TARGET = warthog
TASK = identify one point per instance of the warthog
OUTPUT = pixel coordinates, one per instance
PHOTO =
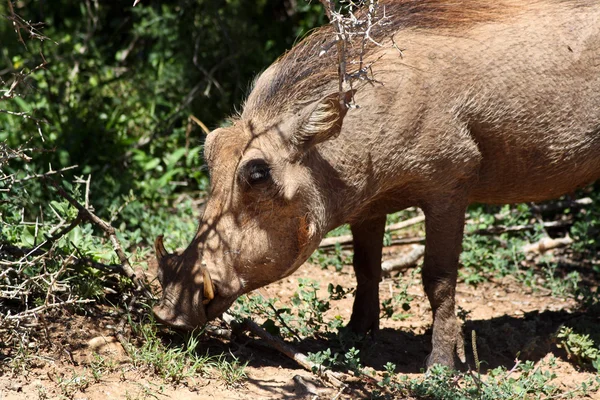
(490, 101)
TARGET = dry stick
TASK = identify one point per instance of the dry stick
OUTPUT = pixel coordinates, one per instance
(404, 262)
(110, 231)
(341, 39)
(200, 124)
(541, 208)
(547, 244)
(559, 205)
(37, 250)
(409, 240)
(347, 239)
(279, 345)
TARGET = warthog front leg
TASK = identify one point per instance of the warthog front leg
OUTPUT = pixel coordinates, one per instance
(444, 224)
(368, 243)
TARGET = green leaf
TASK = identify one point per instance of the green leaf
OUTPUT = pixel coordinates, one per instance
(75, 236)
(174, 157)
(152, 164)
(27, 238)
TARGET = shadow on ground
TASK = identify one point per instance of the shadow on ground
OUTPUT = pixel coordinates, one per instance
(499, 341)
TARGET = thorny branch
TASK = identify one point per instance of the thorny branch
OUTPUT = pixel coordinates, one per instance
(86, 214)
(21, 24)
(348, 26)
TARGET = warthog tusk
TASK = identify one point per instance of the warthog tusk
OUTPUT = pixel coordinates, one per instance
(159, 248)
(209, 290)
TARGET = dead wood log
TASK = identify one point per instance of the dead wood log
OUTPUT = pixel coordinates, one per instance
(404, 262)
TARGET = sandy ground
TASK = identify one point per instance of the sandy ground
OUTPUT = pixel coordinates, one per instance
(508, 318)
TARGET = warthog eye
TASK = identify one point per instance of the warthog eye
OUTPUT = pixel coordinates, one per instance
(256, 172)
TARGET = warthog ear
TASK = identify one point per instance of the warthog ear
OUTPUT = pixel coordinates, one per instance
(320, 121)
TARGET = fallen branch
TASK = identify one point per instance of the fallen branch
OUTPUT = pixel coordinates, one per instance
(332, 241)
(279, 345)
(404, 262)
(346, 239)
(546, 243)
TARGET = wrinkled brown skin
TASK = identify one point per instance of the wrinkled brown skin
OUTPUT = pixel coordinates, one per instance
(502, 111)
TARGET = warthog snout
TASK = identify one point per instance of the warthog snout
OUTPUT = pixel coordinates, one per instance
(184, 303)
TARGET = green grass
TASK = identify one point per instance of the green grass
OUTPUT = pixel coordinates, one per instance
(176, 363)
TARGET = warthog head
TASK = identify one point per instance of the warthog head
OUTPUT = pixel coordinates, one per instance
(266, 212)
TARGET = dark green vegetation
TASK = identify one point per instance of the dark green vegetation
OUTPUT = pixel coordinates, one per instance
(107, 101)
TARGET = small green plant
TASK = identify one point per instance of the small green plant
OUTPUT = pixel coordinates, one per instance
(346, 361)
(338, 292)
(560, 285)
(310, 308)
(232, 371)
(401, 299)
(70, 385)
(586, 228)
(485, 257)
(335, 257)
(580, 348)
(525, 381)
(388, 307)
(390, 369)
(306, 316)
(101, 365)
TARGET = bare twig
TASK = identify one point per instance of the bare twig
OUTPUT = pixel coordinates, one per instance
(560, 205)
(200, 124)
(513, 369)
(119, 331)
(347, 26)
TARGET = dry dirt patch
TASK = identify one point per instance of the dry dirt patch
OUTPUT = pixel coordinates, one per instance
(509, 319)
